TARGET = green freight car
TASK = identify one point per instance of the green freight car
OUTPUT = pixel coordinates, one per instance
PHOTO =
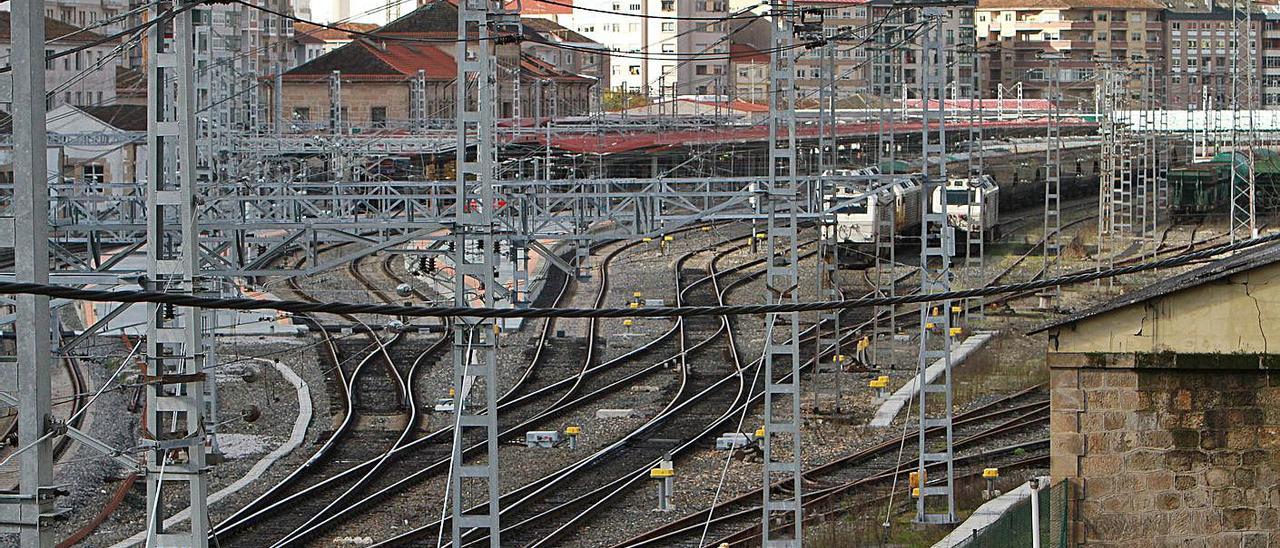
(1200, 189)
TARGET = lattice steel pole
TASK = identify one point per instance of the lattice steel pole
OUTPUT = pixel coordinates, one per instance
(1243, 176)
(935, 277)
(174, 433)
(975, 243)
(828, 331)
(475, 368)
(1052, 248)
(782, 348)
(418, 101)
(25, 511)
(884, 323)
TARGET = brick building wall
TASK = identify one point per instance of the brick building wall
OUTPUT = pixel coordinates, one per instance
(1163, 454)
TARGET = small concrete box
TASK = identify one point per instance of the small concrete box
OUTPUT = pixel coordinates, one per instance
(732, 440)
(545, 439)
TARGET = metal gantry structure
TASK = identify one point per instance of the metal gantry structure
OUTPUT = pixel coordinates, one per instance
(1244, 223)
(475, 359)
(829, 371)
(782, 418)
(936, 249)
(976, 233)
(174, 431)
(197, 235)
(35, 502)
(1053, 180)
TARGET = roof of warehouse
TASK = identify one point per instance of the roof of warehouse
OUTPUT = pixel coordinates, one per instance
(1242, 261)
(315, 33)
(538, 7)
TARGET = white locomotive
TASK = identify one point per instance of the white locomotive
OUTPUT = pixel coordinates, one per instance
(859, 210)
(972, 205)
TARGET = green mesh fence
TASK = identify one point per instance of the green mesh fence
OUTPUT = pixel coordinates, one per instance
(1013, 529)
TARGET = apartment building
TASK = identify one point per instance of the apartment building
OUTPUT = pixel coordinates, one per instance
(84, 75)
(1016, 34)
(844, 21)
(895, 66)
(749, 74)
(652, 41)
(567, 50)
(1202, 47)
(1270, 57)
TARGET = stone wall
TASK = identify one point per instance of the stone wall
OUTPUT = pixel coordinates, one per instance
(1167, 457)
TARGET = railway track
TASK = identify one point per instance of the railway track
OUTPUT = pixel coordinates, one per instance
(582, 490)
(77, 400)
(1009, 415)
(378, 414)
(427, 457)
(666, 349)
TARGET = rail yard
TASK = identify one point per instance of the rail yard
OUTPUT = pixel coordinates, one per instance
(830, 273)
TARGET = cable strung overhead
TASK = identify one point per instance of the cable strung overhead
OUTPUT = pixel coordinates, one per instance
(299, 307)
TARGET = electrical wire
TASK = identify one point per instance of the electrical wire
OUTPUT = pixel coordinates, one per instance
(656, 312)
(638, 15)
(164, 17)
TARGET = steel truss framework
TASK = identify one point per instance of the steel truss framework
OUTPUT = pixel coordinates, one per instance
(474, 230)
(175, 431)
(782, 416)
(27, 511)
(935, 277)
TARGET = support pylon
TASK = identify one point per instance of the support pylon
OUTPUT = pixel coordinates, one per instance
(782, 348)
(935, 277)
(28, 511)
(174, 426)
(475, 366)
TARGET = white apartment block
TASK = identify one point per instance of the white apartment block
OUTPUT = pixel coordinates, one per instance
(653, 55)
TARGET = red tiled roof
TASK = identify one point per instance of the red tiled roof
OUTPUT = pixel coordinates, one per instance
(55, 31)
(315, 32)
(408, 58)
(537, 7)
(742, 53)
(372, 58)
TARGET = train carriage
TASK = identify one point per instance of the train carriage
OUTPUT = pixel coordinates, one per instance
(973, 204)
(858, 219)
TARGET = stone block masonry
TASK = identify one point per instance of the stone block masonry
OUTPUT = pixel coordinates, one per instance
(1165, 456)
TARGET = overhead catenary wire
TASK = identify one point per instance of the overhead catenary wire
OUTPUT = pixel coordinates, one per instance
(12, 288)
(640, 15)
